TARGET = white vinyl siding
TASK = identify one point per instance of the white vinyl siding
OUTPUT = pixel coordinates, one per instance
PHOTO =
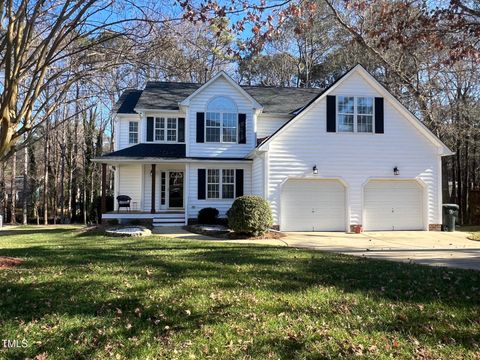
(258, 178)
(267, 124)
(130, 183)
(122, 132)
(355, 159)
(215, 149)
(194, 204)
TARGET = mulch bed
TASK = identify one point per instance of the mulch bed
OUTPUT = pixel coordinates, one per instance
(227, 234)
(9, 262)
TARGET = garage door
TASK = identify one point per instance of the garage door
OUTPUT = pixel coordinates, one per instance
(393, 205)
(313, 205)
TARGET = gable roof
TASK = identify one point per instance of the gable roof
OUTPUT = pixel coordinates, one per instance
(160, 95)
(223, 75)
(380, 88)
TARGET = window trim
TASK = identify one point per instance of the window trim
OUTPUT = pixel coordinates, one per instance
(355, 114)
(165, 129)
(220, 184)
(137, 133)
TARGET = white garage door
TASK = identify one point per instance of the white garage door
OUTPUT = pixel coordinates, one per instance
(393, 205)
(313, 205)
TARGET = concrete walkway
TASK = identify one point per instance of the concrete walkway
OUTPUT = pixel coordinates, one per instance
(422, 247)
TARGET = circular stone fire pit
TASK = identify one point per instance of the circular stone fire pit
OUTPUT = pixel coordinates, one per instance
(130, 231)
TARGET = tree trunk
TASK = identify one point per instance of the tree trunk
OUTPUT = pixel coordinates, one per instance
(62, 180)
(3, 193)
(13, 190)
(26, 192)
(46, 158)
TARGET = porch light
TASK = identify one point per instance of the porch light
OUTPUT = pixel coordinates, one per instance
(315, 170)
(396, 171)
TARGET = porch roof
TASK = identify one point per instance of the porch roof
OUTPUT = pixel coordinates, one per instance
(150, 150)
(154, 153)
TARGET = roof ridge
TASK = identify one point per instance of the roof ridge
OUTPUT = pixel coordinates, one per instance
(171, 82)
(281, 87)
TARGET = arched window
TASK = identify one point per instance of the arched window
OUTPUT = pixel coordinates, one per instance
(221, 120)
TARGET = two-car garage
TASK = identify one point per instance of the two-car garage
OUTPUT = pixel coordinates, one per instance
(321, 205)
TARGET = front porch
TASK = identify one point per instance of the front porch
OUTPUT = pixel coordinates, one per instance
(155, 191)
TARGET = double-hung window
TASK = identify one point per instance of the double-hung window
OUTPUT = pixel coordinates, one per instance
(166, 129)
(355, 114)
(212, 127)
(220, 183)
(365, 114)
(133, 132)
(221, 122)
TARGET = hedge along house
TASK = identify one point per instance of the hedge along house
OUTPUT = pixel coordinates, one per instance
(326, 160)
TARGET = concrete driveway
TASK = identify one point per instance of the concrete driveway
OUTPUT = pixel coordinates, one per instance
(422, 247)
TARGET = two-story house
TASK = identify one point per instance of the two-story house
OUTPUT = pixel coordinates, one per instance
(326, 160)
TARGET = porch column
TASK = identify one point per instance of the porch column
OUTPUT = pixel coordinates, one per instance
(153, 172)
(104, 190)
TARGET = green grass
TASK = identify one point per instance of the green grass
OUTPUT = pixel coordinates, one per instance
(87, 296)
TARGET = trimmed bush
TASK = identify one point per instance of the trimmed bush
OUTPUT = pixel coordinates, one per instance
(208, 216)
(250, 214)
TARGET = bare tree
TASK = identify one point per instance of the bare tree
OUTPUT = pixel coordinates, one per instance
(43, 43)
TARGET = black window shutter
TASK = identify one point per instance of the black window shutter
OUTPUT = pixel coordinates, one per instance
(242, 128)
(331, 114)
(149, 128)
(181, 129)
(239, 182)
(200, 127)
(379, 122)
(201, 184)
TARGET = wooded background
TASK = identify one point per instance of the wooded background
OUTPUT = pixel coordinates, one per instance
(64, 65)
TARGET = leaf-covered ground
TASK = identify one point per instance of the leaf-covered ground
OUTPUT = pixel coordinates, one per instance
(85, 296)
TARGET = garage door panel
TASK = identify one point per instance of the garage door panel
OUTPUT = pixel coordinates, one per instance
(313, 205)
(393, 205)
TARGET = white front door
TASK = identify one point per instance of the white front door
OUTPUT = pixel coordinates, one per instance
(313, 205)
(393, 205)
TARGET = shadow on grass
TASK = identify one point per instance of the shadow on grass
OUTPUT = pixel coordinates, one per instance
(34, 231)
(75, 277)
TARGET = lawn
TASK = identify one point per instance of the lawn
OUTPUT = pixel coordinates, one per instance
(82, 295)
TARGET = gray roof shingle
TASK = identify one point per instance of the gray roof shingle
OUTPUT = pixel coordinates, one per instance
(166, 96)
(127, 101)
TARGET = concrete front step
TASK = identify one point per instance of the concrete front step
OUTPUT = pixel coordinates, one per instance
(170, 220)
(168, 224)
